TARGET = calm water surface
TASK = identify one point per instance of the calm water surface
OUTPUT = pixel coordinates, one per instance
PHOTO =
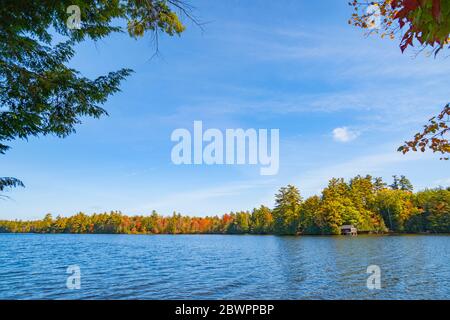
(223, 267)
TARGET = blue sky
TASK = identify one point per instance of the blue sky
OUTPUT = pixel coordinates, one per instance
(343, 103)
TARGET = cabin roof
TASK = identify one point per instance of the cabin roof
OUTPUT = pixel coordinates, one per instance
(347, 226)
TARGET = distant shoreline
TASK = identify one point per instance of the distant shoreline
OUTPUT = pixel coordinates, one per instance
(243, 234)
(361, 205)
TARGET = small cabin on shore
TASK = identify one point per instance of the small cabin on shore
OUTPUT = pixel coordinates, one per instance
(349, 230)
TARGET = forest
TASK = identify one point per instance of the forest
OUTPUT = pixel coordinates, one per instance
(367, 203)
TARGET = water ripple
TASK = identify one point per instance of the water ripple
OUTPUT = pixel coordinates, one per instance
(223, 267)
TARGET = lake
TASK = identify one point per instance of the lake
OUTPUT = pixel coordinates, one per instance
(34, 266)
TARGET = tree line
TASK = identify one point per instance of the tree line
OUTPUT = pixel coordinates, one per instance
(365, 202)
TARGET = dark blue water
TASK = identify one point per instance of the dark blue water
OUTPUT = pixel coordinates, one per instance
(223, 267)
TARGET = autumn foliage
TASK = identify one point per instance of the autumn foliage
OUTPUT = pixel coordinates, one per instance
(432, 136)
(366, 202)
(426, 22)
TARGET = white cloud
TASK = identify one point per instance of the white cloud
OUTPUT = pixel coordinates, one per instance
(344, 134)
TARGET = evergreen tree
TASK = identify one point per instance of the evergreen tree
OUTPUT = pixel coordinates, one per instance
(379, 184)
(395, 184)
(40, 94)
(287, 210)
(405, 184)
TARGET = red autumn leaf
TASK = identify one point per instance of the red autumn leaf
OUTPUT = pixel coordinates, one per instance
(436, 10)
